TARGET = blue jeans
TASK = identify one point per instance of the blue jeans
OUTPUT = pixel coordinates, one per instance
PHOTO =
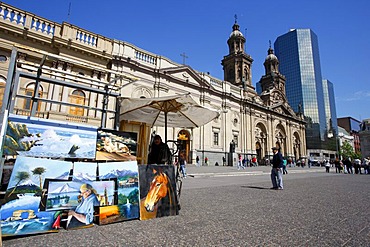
(183, 170)
(277, 178)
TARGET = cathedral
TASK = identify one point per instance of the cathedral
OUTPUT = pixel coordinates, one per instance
(63, 72)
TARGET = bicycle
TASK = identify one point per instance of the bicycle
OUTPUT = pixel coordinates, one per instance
(178, 174)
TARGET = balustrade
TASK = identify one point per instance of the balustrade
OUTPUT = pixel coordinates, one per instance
(22, 18)
(145, 57)
(86, 38)
(216, 82)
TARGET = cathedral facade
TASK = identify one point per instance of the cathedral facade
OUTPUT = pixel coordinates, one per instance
(69, 54)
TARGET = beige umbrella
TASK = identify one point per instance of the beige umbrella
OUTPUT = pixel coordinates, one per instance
(180, 111)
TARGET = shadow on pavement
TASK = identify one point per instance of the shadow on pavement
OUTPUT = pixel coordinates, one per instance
(256, 187)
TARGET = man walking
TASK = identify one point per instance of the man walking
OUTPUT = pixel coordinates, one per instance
(276, 172)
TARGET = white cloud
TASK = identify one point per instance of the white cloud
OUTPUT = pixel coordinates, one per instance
(356, 96)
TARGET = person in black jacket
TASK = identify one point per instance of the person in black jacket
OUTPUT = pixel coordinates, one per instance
(276, 171)
(159, 154)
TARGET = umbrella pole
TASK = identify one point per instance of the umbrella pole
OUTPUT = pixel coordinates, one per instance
(165, 127)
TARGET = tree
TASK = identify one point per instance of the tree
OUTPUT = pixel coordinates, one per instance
(346, 150)
(39, 171)
(21, 176)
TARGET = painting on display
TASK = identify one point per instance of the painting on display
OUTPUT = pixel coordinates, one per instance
(20, 214)
(84, 172)
(157, 191)
(79, 201)
(36, 137)
(127, 206)
(116, 145)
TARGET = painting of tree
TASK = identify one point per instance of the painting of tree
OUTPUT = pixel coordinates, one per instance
(20, 177)
(38, 171)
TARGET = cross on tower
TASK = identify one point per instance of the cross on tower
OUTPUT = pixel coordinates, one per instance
(236, 18)
(184, 57)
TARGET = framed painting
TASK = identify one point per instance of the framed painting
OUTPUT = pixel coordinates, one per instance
(36, 137)
(157, 191)
(116, 145)
(127, 206)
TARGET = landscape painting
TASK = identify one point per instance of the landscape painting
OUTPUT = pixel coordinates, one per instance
(116, 145)
(127, 206)
(157, 191)
(20, 214)
(36, 137)
(88, 197)
(85, 172)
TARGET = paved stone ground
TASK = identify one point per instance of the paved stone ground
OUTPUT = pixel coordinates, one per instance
(314, 209)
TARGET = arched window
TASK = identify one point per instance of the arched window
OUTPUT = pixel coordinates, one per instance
(77, 97)
(2, 90)
(29, 92)
(3, 58)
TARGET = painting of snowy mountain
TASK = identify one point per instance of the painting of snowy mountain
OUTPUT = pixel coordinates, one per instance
(84, 172)
(65, 195)
(29, 174)
(36, 137)
(20, 215)
(127, 207)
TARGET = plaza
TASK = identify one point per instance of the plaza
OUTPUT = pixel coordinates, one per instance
(225, 207)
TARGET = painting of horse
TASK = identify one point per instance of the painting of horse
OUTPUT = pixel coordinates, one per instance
(157, 190)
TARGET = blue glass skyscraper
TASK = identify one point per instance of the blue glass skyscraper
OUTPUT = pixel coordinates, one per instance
(298, 53)
(330, 109)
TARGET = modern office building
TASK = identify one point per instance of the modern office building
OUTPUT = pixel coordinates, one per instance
(298, 53)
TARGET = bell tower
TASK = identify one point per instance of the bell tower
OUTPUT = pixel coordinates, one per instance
(237, 64)
(272, 83)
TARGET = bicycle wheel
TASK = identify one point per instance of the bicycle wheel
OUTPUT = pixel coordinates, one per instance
(178, 187)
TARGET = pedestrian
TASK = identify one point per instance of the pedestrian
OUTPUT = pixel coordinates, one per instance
(240, 162)
(284, 166)
(357, 165)
(366, 165)
(244, 162)
(348, 164)
(206, 161)
(223, 161)
(276, 171)
(254, 161)
(337, 165)
(327, 166)
(197, 160)
(182, 163)
(159, 153)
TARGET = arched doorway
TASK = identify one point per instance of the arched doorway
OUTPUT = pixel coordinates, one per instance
(183, 139)
(280, 137)
(259, 152)
(261, 142)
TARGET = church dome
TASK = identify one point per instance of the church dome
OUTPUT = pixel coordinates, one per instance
(236, 32)
(271, 56)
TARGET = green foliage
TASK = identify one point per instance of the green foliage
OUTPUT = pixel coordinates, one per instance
(38, 171)
(22, 176)
(346, 150)
(122, 199)
(134, 196)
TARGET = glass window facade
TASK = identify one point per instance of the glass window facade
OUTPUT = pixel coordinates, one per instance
(330, 108)
(298, 54)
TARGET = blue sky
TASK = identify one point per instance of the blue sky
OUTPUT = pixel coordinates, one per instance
(200, 28)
